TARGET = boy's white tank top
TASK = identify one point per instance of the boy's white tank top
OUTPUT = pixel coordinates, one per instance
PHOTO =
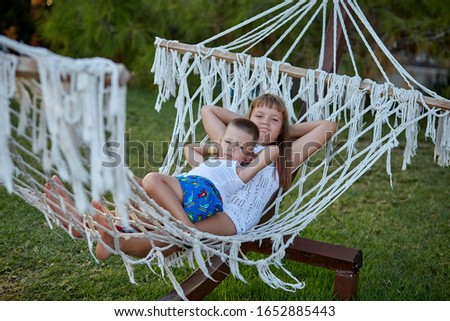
(222, 173)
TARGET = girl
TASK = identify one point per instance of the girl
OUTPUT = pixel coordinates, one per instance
(296, 143)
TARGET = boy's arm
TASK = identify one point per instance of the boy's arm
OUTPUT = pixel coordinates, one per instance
(195, 153)
(267, 156)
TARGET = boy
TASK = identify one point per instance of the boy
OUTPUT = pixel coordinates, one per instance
(200, 193)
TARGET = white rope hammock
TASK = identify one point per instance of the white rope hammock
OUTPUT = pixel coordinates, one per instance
(61, 123)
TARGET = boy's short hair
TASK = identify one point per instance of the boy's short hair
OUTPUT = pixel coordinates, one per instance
(246, 125)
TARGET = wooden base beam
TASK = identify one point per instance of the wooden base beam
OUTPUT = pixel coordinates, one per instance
(345, 261)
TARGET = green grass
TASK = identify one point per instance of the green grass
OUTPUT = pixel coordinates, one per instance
(403, 233)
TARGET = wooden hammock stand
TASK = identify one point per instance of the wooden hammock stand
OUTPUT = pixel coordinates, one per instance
(345, 261)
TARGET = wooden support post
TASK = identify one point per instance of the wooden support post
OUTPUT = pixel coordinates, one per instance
(198, 286)
(345, 285)
(332, 55)
(330, 52)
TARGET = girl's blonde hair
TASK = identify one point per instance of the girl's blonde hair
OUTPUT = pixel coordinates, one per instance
(283, 140)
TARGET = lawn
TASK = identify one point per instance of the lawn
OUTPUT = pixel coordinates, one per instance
(402, 231)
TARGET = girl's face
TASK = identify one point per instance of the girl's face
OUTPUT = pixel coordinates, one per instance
(269, 122)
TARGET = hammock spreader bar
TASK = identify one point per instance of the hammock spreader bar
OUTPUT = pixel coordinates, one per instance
(295, 72)
(27, 67)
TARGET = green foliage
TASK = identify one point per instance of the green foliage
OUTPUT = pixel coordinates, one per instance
(125, 30)
(90, 28)
(413, 26)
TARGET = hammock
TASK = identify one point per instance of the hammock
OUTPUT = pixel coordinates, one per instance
(70, 121)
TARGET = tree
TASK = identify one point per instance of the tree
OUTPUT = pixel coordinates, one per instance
(413, 26)
(125, 30)
(15, 20)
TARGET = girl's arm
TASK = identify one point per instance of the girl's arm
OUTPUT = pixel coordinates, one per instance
(267, 156)
(308, 137)
(215, 120)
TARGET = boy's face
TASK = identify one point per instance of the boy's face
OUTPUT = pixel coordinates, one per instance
(237, 144)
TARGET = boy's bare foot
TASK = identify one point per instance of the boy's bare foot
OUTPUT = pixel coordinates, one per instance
(101, 251)
(59, 200)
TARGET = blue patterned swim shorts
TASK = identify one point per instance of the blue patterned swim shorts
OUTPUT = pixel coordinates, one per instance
(201, 199)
